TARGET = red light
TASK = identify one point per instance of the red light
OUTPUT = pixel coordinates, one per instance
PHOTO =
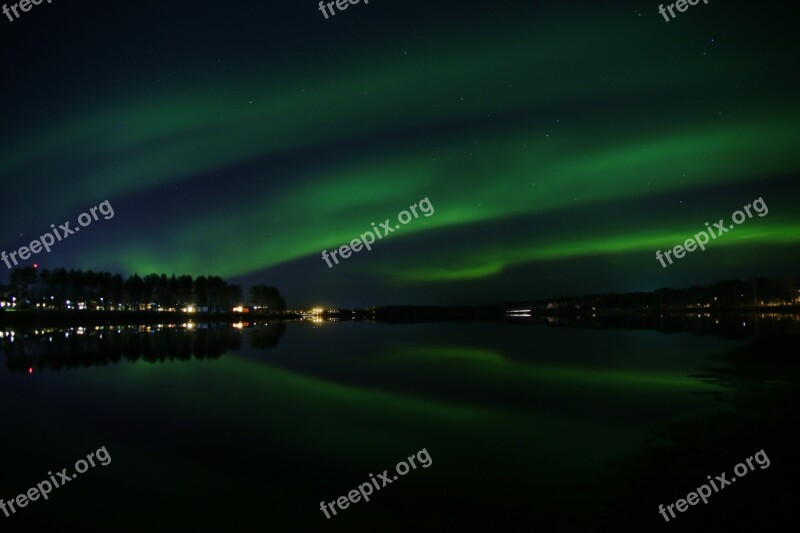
(35, 265)
(30, 370)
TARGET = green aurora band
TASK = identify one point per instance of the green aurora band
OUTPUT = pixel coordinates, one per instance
(523, 122)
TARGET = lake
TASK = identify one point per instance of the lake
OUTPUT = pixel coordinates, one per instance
(219, 426)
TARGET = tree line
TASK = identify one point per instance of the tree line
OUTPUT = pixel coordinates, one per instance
(754, 292)
(108, 290)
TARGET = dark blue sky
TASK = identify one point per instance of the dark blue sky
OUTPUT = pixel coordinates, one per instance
(560, 145)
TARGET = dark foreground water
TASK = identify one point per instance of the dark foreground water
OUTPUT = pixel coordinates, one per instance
(213, 427)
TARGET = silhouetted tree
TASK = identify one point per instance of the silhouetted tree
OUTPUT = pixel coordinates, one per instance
(23, 281)
(267, 295)
(185, 290)
(200, 295)
(134, 290)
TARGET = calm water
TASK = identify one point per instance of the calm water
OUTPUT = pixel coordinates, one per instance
(238, 428)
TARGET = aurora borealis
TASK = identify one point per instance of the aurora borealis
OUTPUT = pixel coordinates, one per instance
(561, 145)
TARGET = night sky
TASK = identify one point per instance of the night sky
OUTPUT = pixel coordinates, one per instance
(560, 143)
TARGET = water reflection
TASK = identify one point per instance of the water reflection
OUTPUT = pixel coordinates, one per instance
(737, 326)
(723, 324)
(30, 349)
